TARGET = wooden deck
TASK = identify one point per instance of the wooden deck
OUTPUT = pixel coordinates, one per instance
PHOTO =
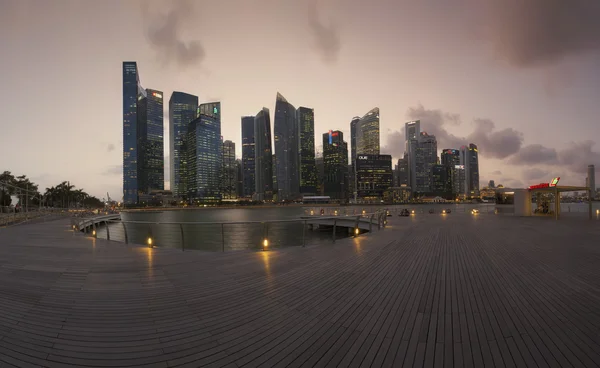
(428, 291)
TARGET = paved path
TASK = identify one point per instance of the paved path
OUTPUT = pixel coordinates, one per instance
(453, 291)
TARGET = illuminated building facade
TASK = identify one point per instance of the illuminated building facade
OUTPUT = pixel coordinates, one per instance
(441, 181)
(367, 134)
(469, 157)
(151, 153)
(132, 92)
(248, 156)
(228, 171)
(412, 133)
(425, 159)
(373, 177)
(182, 110)
(459, 181)
(204, 157)
(308, 170)
(335, 166)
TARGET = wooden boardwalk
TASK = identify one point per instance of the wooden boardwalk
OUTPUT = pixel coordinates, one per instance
(428, 291)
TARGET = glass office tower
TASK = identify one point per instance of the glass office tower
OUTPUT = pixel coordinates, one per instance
(308, 170)
(204, 159)
(367, 134)
(264, 156)
(287, 151)
(182, 110)
(335, 166)
(373, 177)
(248, 157)
(132, 92)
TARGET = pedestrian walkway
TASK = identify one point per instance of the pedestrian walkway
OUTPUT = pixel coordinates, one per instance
(431, 290)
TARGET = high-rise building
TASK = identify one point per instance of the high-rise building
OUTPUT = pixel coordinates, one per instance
(459, 181)
(591, 174)
(182, 110)
(287, 150)
(132, 92)
(319, 162)
(240, 178)
(367, 133)
(373, 177)
(248, 156)
(441, 181)
(412, 134)
(204, 157)
(150, 136)
(274, 171)
(402, 173)
(308, 171)
(450, 157)
(352, 172)
(425, 158)
(491, 184)
(264, 156)
(228, 171)
(335, 166)
(469, 157)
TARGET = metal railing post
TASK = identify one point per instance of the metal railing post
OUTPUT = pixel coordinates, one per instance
(125, 233)
(182, 238)
(223, 237)
(379, 222)
(356, 226)
(334, 228)
(150, 242)
(304, 234)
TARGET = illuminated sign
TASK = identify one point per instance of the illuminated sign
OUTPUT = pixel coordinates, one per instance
(334, 134)
(540, 186)
(461, 167)
(330, 140)
(362, 157)
(451, 151)
(157, 95)
(554, 182)
(215, 110)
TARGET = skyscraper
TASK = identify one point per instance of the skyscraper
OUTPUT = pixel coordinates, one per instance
(132, 92)
(248, 156)
(308, 170)
(373, 176)
(352, 174)
(151, 154)
(441, 181)
(402, 172)
(412, 133)
(228, 171)
(286, 150)
(263, 158)
(469, 157)
(204, 156)
(335, 165)
(450, 157)
(182, 110)
(425, 159)
(367, 133)
(591, 175)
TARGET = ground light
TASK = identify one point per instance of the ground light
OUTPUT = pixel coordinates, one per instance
(412, 212)
(335, 213)
(94, 233)
(356, 231)
(443, 212)
(149, 241)
(265, 244)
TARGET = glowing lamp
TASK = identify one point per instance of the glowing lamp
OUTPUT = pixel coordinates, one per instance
(356, 231)
(149, 241)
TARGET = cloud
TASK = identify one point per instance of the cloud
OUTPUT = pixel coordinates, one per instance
(110, 147)
(113, 170)
(534, 154)
(497, 172)
(490, 142)
(327, 41)
(531, 33)
(164, 35)
(395, 144)
(535, 173)
(578, 155)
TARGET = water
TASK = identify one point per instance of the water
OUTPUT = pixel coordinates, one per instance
(218, 237)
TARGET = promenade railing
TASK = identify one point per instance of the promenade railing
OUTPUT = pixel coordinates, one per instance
(239, 235)
(10, 215)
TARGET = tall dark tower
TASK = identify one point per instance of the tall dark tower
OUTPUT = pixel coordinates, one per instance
(182, 110)
(287, 150)
(308, 170)
(248, 156)
(264, 156)
(151, 153)
(132, 92)
(335, 163)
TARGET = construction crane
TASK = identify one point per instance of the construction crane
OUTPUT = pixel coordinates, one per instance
(108, 197)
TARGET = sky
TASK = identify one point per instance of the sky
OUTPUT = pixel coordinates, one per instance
(518, 78)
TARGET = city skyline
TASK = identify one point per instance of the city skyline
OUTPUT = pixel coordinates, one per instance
(533, 115)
